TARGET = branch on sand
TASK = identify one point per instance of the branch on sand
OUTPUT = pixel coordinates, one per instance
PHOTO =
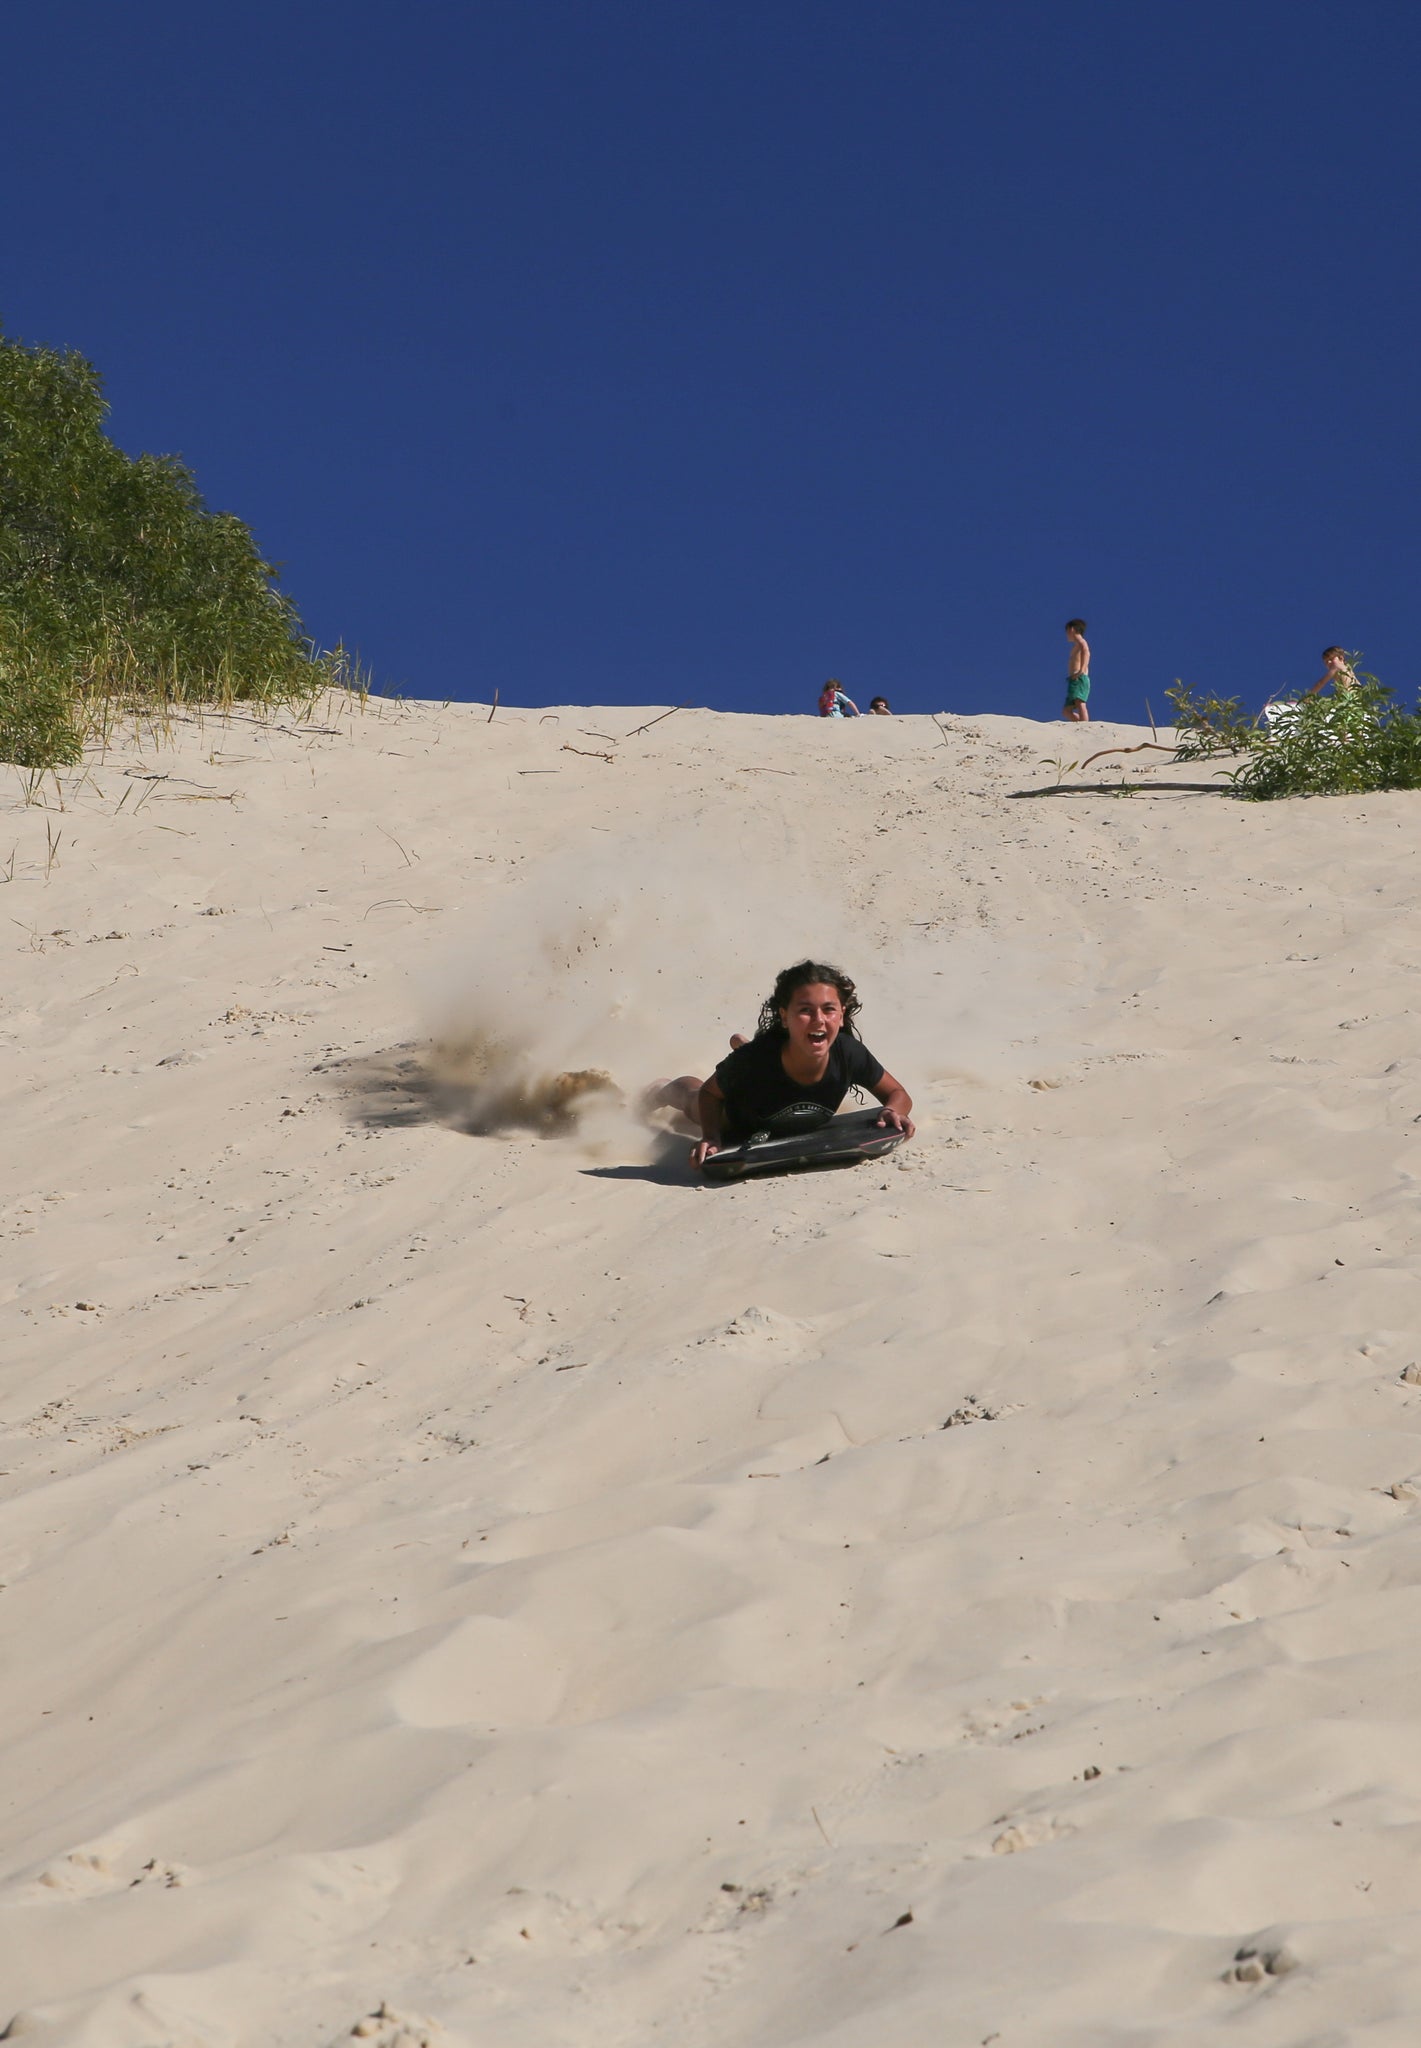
(657, 720)
(1145, 747)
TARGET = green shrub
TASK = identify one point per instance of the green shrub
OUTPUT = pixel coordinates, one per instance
(115, 579)
(37, 728)
(1348, 743)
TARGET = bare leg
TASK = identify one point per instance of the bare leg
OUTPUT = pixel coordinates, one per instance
(680, 1095)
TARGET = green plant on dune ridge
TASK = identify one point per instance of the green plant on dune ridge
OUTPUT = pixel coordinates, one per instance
(117, 585)
(1350, 743)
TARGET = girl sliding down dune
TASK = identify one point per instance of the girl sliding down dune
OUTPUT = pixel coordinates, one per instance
(805, 1052)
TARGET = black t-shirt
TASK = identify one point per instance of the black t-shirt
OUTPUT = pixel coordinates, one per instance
(755, 1085)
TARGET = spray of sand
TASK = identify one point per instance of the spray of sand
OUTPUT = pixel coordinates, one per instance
(587, 980)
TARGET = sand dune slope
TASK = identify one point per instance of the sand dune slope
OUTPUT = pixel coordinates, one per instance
(466, 1581)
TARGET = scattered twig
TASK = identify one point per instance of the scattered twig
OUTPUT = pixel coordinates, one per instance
(587, 753)
(127, 968)
(942, 729)
(494, 706)
(1145, 747)
(657, 720)
(820, 1825)
(1151, 717)
(395, 842)
(386, 901)
(540, 771)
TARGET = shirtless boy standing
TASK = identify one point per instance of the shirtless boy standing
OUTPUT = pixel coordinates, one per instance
(1077, 673)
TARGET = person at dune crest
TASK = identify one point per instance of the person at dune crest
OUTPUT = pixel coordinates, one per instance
(1077, 673)
(832, 699)
(1337, 670)
(880, 707)
(806, 1050)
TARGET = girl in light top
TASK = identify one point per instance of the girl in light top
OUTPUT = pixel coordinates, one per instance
(832, 699)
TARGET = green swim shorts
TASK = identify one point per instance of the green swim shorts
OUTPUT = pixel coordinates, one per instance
(1077, 689)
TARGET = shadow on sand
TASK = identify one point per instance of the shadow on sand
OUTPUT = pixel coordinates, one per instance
(1134, 789)
(392, 1090)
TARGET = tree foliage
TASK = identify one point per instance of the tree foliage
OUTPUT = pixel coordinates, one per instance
(115, 578)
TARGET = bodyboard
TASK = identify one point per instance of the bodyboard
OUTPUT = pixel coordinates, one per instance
(841, 1141)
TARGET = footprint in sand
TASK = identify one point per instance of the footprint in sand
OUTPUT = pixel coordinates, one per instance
(82, 1874)
(1028, 1834)
(983, 1724)
(145, 2016)
(758, 1329)
(973, 1410)
(1257, 1960)
(85, 1873)
(386, 2028)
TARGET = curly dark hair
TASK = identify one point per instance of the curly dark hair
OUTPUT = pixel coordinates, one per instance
(797, 977)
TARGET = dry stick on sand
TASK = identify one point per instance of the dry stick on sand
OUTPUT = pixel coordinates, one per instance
(330, 732)
(942, 729)
(395, 842)
(386, 901)
(657, 720)
(494, 706)
(587, 753)
(1145, 747)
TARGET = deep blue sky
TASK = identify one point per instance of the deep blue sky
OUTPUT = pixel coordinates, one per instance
(636, 350)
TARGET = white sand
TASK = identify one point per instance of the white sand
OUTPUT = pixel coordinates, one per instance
(500, 1577)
